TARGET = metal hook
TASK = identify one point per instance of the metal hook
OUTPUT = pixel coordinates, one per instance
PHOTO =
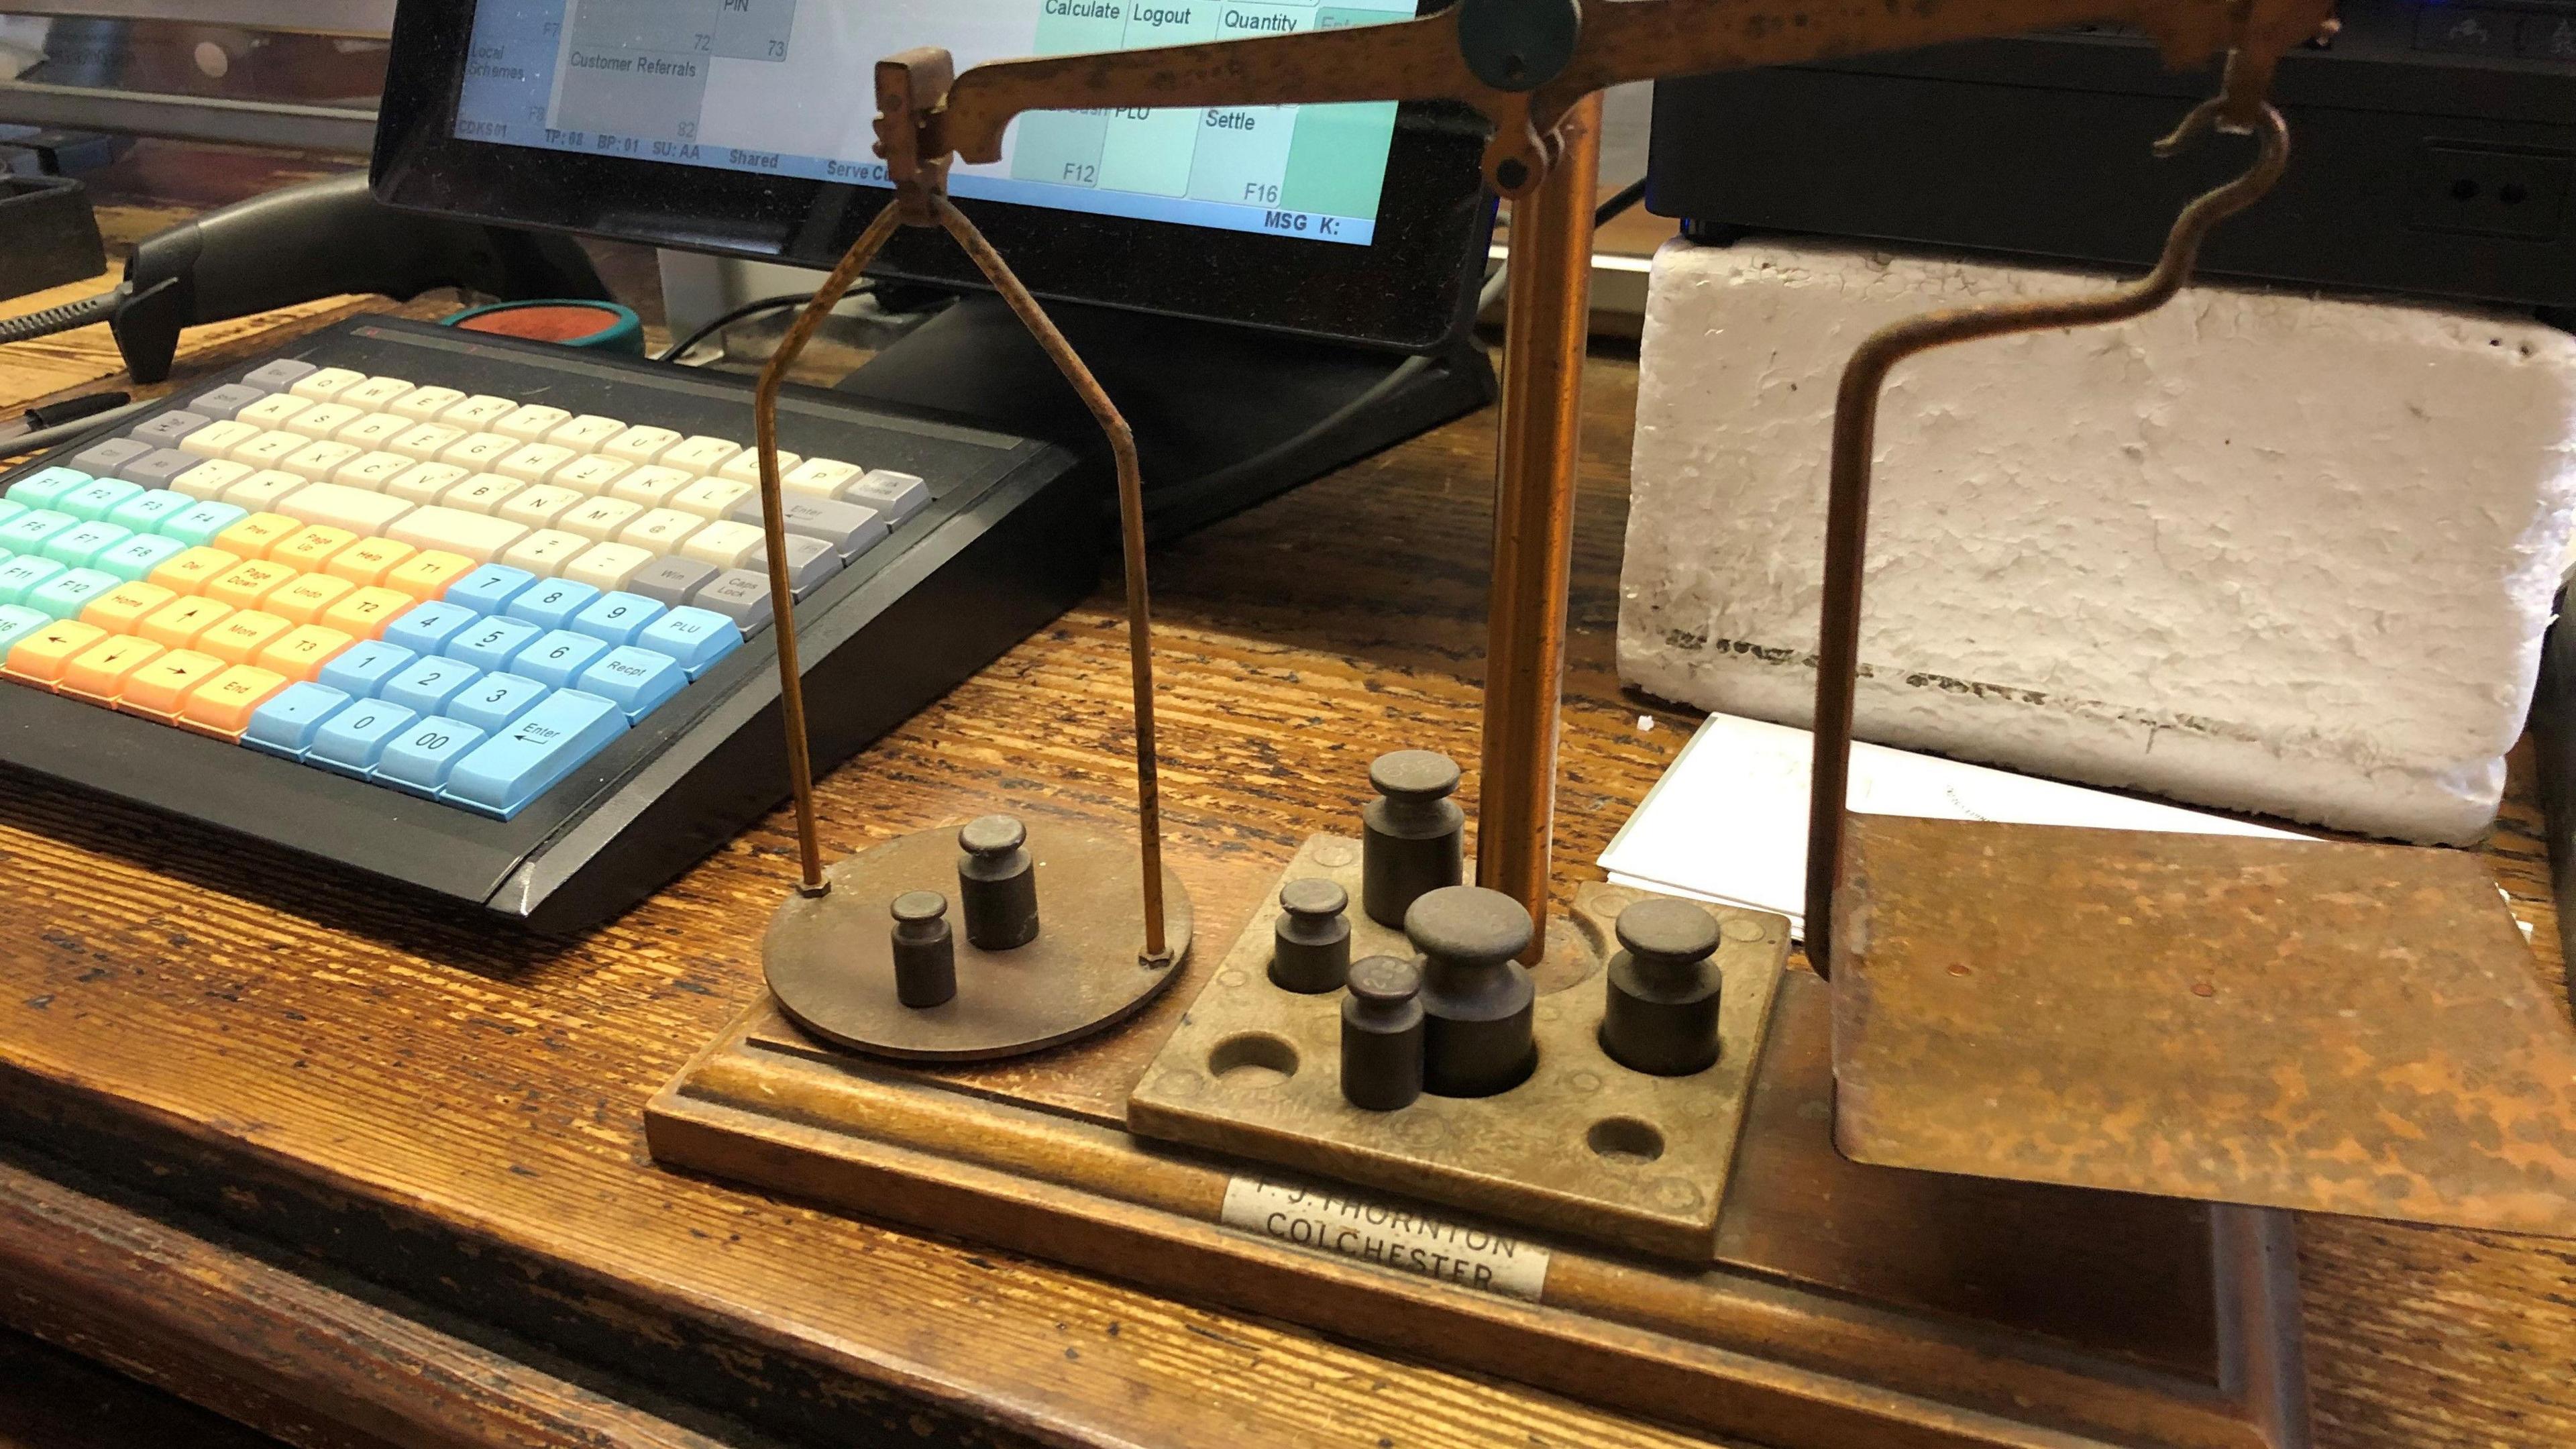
(1855, 437)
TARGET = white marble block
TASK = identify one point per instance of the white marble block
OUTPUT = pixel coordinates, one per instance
(2256, 550)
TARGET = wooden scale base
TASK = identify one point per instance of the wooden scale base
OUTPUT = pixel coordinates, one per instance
(1843, 1304)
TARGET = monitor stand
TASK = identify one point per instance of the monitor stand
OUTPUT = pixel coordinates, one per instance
(1224, 416)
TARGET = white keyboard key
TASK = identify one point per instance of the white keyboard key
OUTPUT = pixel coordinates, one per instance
(372, 471)
(209, 479)
(375, 393)
(422, 404)
(321, 420)
(261, 491)
(711, 497)
(457, 531)
(600, 518)
(699, 454)
(326, 384)
(593, 474)
(479, 412)
(318, 461)
(727, 545)
(483, 493)
(217, 440)
(374, 431)
(531, 423)
(662, 530)
(607, 565)
(358, 510)
(819, 477)
(535, 463)
(895, 496)
(640, 445)
(275, 410)
(744, 467)
(585, 434)
(478, 451)
(425, 441)
(546, 551)
(268, 449)
(425, 481)
(540, 506)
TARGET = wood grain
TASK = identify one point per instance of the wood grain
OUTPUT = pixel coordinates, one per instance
(455, 1110)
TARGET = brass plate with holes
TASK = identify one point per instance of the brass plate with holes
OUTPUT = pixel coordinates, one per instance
(830, 959)
(1585, 1147)
(2335, 1028)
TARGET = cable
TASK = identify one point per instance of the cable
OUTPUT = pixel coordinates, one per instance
(54, 437)
(1620, 200)
(64, 318)
(680, 349)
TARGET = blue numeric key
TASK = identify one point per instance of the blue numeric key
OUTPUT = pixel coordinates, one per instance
(200, 524)
(558, 658)
(45, 487)
(98, 497)
(83, 542)
(616, 618)
(27, 532)
(427, 685)
(491, 643)
(494, 700)
(502, 774)
(551, 605)
(22, 575)
(426, 628)
(350, 742)
(145, 512)
(363, 667)
(489, 589)
(287, 724)
(695, 637)
(640, 680)
(17, 621)
(138, 555)
(419, 758)
(67, 593)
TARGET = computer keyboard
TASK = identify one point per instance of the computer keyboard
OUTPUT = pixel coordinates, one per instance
(490, 618)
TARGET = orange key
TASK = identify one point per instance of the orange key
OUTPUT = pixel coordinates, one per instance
(39, 658)
(240, 637)
(313, 547)
(98, 673)
(364, 614)
(178, 623)
(425, 576)
(368, 560)
(305, 597)
(300, 653)
(249, 583)
(126, 606)
(222, 705)
(188, 572)
(159, 688)
(254, 536)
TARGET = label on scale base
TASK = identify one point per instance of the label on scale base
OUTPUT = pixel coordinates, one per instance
(1403, 1239)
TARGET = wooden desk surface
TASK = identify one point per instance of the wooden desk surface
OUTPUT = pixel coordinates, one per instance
(453, 1112)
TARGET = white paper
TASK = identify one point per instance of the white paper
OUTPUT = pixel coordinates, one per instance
(1728, 822)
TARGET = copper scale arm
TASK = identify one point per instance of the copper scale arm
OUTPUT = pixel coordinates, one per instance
(1533, 68)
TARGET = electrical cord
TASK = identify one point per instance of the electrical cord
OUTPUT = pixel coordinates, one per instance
(54, 437)
(680, 349)
(83, 313)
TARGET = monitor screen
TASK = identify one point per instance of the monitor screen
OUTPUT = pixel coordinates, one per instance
(768, 86)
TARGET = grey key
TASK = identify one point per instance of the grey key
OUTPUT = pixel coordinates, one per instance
(165, 430)
(101, 460)
(227, 401)
(850, 528)
(671, 580)
(739, 595)
(280, 375)
(810, 561)
(156, 468)
(898, 496)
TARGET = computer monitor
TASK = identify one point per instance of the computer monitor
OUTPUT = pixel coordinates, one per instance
(744, 127)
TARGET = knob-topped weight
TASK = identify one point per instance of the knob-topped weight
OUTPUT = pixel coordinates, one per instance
(992, 835)
(1478, 1003)
(914, 907)
(1385, 981)
(1408, 775)
(1468, 925)
(997, 884)
(1313, 896)
(1667, 930)
(1660, 1014)
(1310, 949)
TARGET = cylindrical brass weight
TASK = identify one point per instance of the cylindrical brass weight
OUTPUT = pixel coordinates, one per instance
(997, 884)
(1382, 1034)
(1478, 1004)
(1413, 837)
(1310, 948)
(1660, 1016)
(925, 951)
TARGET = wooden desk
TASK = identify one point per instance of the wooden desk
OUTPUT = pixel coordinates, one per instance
(362, 1173)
